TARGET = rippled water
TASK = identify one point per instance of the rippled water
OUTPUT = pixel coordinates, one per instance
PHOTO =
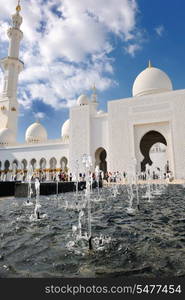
(149, 244)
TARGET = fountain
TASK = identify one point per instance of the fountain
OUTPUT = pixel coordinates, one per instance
(76, 177)
(81, 207)
(37, 204)
(115, 189)
(130, 210)
(135, 179)
(81, 214)
(30, 191)
(115, 184)
(57, 180)
(37, 210)
(132, 182)
(148, 194)
(97, 177)
(124, 243)
(156, 189)
(56, 197)
(87, 162)
(14, 169)
(137, 191)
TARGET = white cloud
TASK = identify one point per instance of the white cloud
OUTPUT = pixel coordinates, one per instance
(3, 31)
(160, 30)
(67, 45)
(132, 48)
(39, 115)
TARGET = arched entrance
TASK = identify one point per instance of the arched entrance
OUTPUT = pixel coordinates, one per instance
(42, 164)
(148, 140)
(24, 165)
(53, 163)
(7, 165)
(6, 169)
(14, 169)
(15, 165)
(42, 169)
(33, 163)
(63, 164)
(100, 159)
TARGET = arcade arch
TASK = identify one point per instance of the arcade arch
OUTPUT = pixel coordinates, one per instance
(100, 159)
(63, 163)
(6, 165)
(42, 163)
(148, 140)
(24, 164)
(33, 163)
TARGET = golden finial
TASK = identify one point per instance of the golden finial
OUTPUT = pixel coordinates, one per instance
(149, 64)
(94, 88)
(18, 7)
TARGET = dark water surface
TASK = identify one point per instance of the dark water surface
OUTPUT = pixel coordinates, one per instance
(149, 244)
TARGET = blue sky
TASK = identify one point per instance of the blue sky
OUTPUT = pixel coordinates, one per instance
(69, 45)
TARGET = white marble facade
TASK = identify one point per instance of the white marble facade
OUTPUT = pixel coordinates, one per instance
(128, 130)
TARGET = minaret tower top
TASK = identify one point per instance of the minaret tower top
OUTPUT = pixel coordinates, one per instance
(94, 94)
(18, 7)
(11, 66)
(14, 33)
(16, 18)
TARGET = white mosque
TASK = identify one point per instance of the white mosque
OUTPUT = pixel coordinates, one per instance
(155, 114)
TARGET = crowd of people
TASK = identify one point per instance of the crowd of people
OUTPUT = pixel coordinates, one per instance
(109, 177)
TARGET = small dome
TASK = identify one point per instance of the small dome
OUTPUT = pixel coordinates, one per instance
(7, 136)
(82, 100)
(151, 80)
(65, 129)
(36, 133)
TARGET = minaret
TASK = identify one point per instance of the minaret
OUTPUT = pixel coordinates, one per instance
(94, 94)
(11, 66)
(94, 102)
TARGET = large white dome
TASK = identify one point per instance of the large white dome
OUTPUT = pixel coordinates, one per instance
(7, 136)
(151, 80)
(65, 129)
(82, 100)
(36, 133)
